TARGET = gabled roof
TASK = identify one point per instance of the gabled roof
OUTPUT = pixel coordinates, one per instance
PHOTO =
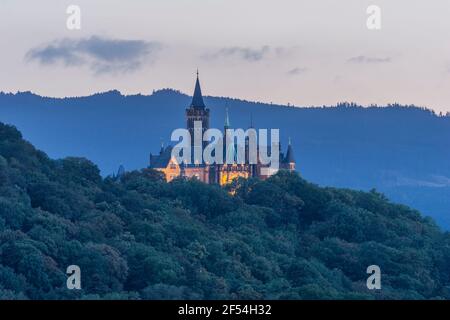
(162, 160)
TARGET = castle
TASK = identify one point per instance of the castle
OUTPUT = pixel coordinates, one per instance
(221, 174)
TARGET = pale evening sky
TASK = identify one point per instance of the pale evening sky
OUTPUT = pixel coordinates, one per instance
(301, 52)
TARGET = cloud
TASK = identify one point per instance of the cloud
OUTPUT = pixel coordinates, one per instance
(101, 55)
(297, 71)
(365, 59)
(242, 53)
(251, 54)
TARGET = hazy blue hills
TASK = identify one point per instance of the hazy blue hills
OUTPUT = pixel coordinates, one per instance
(401, 151)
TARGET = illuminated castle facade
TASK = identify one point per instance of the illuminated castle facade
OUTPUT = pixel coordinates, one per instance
(221, 174)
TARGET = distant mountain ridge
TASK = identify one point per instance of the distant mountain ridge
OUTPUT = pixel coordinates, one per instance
(401, 151)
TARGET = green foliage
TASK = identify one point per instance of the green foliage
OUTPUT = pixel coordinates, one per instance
(139, 237)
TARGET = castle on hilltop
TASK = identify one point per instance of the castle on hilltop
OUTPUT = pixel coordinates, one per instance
(221, 174)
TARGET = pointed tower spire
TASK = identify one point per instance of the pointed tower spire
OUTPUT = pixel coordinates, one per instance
(197, 98)
(162, 146)
(290, 153)
(227, 119)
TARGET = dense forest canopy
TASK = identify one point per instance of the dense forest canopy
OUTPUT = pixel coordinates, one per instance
(139, 237)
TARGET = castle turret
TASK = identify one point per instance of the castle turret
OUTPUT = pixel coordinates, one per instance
(228, 144)
(289, 160)
(227, 120)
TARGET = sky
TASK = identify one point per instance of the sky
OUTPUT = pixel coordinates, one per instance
(305, 53)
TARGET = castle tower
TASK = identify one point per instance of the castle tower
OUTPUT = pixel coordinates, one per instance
(197, 111)
(228, 146)
(252, 167)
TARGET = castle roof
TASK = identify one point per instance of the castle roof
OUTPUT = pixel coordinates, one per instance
(161, 160)
(290, 154)
(197, 98)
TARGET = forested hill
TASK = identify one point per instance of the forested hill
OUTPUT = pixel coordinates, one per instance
(402, 151)
(141, 238)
